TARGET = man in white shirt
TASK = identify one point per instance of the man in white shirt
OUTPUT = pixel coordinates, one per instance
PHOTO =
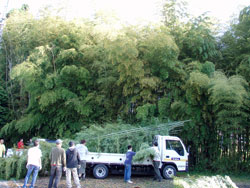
(34, 164)
(2, 148)
(83, 151)
(156, 162)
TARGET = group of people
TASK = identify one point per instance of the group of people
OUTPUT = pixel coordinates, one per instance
(20, 145)
(156, 164)
(73, 161)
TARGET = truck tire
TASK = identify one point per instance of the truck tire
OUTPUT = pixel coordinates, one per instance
(169, 172)
(100, 171)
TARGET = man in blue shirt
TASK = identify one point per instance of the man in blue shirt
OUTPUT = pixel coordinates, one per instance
(128, 164)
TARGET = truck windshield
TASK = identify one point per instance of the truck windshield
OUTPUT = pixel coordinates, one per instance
(175, 145)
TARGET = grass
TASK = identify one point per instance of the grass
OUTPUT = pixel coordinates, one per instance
(241, 179)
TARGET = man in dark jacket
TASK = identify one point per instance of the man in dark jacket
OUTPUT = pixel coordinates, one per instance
(128, 164)
(72, 161)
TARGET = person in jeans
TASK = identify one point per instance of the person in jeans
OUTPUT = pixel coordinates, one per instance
(72, 162)
(156, 163)
(58, 163)
(34, 164)
(83, 151)
(128, 164)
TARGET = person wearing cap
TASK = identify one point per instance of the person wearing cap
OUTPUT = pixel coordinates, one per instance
(83, 151)
(34, 164)
(156, 162)
(58, 163)
(72, 162)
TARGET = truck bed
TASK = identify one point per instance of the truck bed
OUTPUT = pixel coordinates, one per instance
(111, 159)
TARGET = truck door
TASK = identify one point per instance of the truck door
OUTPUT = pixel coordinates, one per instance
(174, 152)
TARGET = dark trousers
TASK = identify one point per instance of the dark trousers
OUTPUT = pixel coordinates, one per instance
(55, 173)
(157, 172)
(82, 170)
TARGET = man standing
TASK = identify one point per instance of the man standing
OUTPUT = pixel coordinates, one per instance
(58, 163)
(30, 143)
(128, 164)
(72, 161)
(156, 163)
(20, 144)
(2, 148)
(34, 164)
(83, 151)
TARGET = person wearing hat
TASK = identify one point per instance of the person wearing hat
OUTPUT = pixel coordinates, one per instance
(72, 162)
(58, 163)
(34, 164)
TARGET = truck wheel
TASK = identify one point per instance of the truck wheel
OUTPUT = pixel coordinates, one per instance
(100, 171)
(169, 172)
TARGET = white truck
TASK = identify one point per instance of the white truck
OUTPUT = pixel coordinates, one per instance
(174, 158)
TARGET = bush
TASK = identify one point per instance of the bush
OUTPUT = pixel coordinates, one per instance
(15, 166)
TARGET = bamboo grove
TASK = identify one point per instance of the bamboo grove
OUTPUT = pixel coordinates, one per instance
(59, 77)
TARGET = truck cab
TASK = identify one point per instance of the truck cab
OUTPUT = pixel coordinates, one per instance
(174, 156)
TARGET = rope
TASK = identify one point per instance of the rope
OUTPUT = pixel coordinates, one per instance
(163, 126)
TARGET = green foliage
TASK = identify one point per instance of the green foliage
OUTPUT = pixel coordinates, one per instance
(199, 42)
(145, 112)
(164, 107)
(4, 111)
(208, 68)
(235, 44)
(115, 137)
(73, 76)
(13, 167)
(144, 153)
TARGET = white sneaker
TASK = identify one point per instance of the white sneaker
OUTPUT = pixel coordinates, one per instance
(129, 181)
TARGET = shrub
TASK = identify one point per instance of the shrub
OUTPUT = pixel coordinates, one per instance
(15, 166)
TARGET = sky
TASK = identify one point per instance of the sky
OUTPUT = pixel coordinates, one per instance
(134, 11)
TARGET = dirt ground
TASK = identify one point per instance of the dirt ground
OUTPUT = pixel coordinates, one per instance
(110, 182)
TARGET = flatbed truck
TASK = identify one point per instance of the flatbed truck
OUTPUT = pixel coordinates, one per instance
(174, 158)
